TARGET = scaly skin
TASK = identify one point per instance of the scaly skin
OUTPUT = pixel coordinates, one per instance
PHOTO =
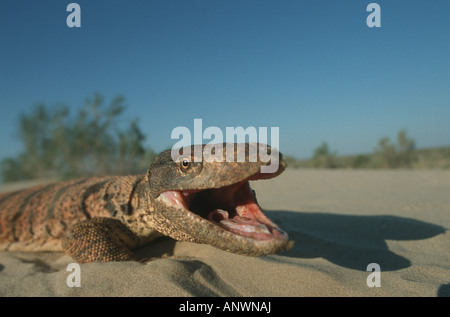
(102, 219)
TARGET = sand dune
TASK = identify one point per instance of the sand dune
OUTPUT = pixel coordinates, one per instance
(341, 221)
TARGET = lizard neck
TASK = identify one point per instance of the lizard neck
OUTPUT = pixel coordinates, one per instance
(140, 218)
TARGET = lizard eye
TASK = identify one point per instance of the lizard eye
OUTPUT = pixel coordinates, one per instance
(185, 164)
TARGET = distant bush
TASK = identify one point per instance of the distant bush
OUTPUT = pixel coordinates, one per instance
(399, 155)
(293, 162)
(361, 161)
(433, 158)
(402, 154)
(58, 145)
(323, 158)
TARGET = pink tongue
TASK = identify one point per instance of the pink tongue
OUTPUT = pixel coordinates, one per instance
(238, 224)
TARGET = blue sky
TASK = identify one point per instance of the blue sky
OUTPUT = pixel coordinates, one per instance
(312, 68)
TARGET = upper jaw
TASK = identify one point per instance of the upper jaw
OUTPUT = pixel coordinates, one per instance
(206, 174)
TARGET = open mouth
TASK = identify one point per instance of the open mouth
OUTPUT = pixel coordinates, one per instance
(232, 208)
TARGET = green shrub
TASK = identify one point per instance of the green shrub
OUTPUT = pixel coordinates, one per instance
(399, 155)
(323, 158)
(58, 145)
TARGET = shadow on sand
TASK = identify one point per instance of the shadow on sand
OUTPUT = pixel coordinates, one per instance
(351, 241)
(444, 290)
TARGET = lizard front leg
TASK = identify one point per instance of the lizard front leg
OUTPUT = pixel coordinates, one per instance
(100, 240)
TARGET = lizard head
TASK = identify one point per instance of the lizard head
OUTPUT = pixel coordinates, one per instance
(211, 201)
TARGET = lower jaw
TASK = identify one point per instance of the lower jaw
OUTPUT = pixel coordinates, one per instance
(257, 247)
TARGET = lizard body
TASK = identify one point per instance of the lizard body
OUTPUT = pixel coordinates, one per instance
(102, 219)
